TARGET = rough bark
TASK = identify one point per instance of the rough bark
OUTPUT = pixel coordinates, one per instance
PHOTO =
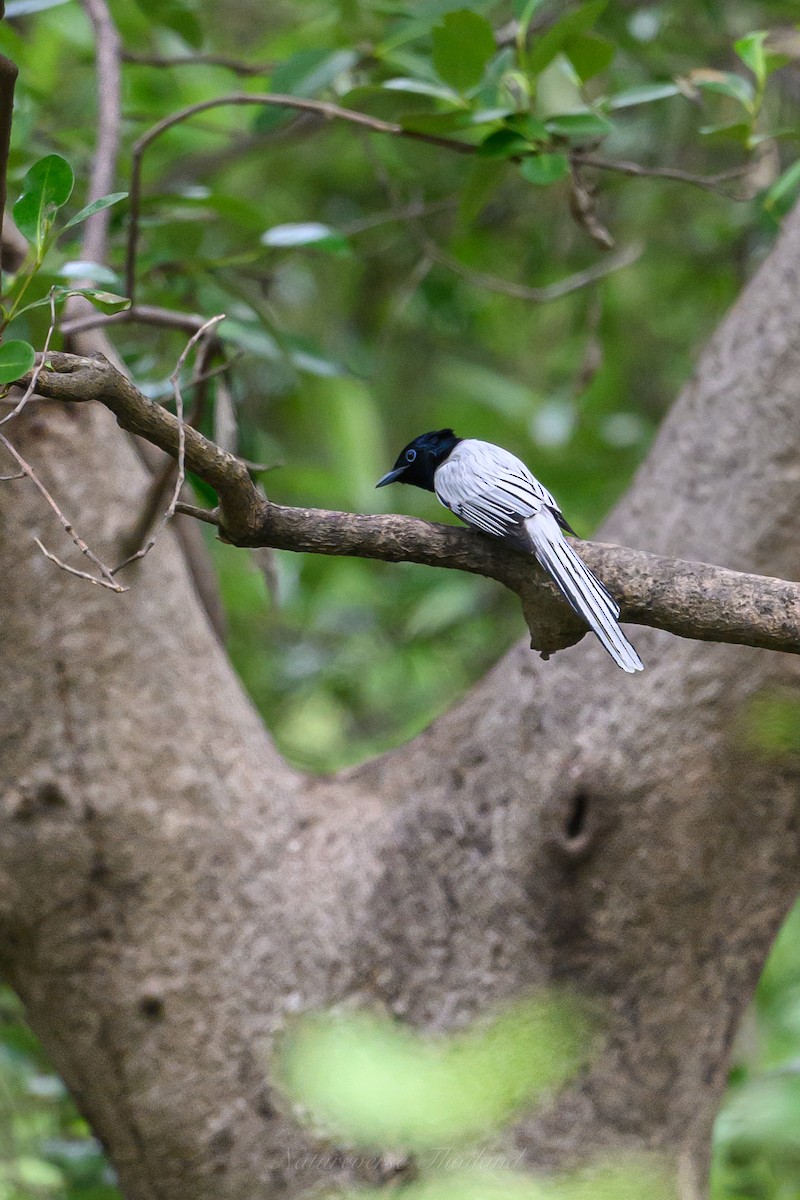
(170, 890)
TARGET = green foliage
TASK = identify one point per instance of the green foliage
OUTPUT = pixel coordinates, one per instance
(563, 35)
(306, 233)
(757, 1147)
(47, 187)
(95, 207)
(46, 1150)
(545, 169)
(626, 1180)
(348, 343)
(462, 47)
(375, 1085)
(15, 359)
(771, 724)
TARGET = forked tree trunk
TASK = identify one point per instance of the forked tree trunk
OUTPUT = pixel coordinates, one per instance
(170, 889)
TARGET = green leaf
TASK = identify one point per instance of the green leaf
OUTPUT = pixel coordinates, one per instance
(462, 46)
(589, 54)
(306, 233)
(725, 83)
(579, 126)
(304, 73)
(552, 43)
(380, 1084)
(16, 358)
(503, 143)
(96, 206)
(422, 16)
(483, 116)
(485, 177)
(784, 190)
(308, 72)
(646, 94)
(529, 127)
(46, 188)
(105, 301)
(754, 53)
(750, 50)
(544, 169)
(737, 131)
(421, 87)
(438, 123)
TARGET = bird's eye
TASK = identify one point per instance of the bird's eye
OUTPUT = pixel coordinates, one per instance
(410, 455)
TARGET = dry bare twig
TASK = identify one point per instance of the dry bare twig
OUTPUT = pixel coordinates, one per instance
(107, 580)
(163, 480)
(180, 475)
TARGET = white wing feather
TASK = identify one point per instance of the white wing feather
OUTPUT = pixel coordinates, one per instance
(490, 488)
(494, 491)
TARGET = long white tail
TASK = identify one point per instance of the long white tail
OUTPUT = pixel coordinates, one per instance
(585, 594)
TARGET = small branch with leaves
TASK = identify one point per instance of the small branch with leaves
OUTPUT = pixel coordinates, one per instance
(693, 600)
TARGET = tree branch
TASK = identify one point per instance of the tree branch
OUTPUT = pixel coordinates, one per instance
(691, 599)
(335, 112)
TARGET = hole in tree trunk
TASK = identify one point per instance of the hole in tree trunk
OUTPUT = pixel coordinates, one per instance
(576, 820)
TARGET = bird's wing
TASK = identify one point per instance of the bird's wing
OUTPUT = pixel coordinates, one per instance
(489, 488)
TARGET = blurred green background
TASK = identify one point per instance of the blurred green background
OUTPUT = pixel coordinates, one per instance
(347, 346)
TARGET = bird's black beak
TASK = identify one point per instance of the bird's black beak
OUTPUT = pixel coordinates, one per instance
(390, 477)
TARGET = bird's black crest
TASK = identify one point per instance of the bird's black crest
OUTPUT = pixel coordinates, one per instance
(417, 461)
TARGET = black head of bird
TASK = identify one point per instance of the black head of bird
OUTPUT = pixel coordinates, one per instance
(417, 461)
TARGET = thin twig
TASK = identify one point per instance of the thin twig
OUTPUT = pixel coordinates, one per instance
(201, 377)
(335, 112)
(8, 478)
(59, 562)
(537, 295)
(163, 481)
(710, 183)
(321, 108)
(108, 580)
(31, 388)
(180, 475)
(209, 515)
(144, 314)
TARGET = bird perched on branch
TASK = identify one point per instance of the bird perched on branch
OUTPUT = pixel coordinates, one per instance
(493, 491)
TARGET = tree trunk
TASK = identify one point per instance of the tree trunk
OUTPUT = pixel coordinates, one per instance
(170, 890)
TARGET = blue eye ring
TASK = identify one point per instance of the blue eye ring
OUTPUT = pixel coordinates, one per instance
(410, 455)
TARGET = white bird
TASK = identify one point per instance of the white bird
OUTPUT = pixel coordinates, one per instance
(493, 490)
